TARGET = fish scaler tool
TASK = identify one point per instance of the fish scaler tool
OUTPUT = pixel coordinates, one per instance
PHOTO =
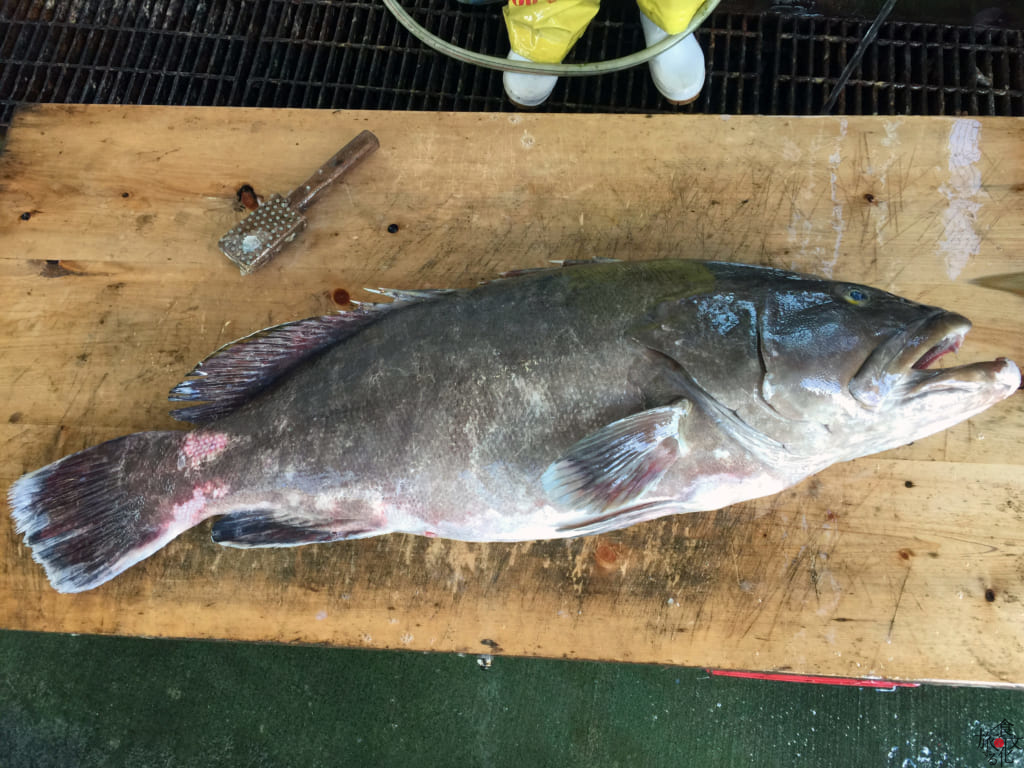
(266, 231)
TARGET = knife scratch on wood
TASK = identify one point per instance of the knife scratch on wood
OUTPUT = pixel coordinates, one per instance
(896, 607)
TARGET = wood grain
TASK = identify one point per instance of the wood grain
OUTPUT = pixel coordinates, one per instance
(111, 287)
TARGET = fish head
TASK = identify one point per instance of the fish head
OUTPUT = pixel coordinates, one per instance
(829, 370)
(859, 360)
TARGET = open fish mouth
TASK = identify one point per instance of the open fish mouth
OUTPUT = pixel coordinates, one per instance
(903, 365)
(951, 342)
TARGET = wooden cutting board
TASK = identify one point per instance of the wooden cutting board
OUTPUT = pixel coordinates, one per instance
(908, 565)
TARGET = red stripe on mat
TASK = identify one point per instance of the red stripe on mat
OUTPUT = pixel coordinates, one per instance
(819, 679)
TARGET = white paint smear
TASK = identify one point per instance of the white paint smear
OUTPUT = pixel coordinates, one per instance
(960, 240)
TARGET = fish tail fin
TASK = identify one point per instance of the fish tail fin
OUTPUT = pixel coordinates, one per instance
(91, 515)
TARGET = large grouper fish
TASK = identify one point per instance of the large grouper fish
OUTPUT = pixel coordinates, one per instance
(551, 403)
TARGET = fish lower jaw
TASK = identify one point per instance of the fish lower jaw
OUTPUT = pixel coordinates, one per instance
(1009, 374)
(1001, 377)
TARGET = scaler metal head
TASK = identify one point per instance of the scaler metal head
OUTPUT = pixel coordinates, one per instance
(263, 233)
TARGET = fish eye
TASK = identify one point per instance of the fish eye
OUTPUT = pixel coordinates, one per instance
(856, 296)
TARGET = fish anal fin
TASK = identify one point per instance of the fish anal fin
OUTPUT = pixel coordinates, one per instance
(615, 466)
(273, 528)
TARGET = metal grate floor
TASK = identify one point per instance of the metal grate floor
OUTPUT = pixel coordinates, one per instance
(353, 54)
(910, 69)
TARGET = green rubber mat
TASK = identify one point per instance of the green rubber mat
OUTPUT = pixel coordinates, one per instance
(92, 701)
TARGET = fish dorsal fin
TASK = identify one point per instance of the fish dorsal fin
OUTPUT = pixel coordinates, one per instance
(558, 264)
(616, 465)
(240, 370)
(402, 295)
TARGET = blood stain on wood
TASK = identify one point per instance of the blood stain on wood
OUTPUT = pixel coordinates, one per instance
(58, 268)
(247, 197)
(607, 557)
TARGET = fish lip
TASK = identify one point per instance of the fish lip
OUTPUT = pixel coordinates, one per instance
(901, 363)
(927, 341)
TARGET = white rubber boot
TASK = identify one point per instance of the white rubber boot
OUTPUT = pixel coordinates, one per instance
(527, 90)
(678, 72)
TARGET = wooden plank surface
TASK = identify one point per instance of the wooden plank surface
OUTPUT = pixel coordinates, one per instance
(908, 565)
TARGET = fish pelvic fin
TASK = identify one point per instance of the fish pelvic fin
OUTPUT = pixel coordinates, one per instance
(616, 465)
(93, 514)
(284, 528)
(622, 518)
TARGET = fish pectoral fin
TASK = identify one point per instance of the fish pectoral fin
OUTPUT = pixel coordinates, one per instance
(616, 465)
(280, 528)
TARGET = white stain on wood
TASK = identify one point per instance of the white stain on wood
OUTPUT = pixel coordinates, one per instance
(817, 250)
(838, 223)
(882, 205)
(960, 240)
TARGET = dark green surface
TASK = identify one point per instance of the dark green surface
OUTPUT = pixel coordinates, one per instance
(89, 701)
